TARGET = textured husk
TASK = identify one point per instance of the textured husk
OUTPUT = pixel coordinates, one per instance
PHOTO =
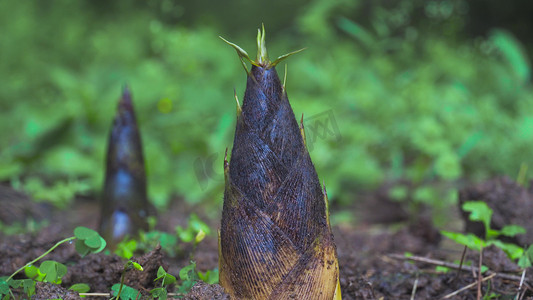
(275, 236)
(124, 203)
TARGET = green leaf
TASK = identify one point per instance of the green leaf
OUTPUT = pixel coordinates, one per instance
(167, 278)
(199, 236)
(28, 286)
(126, 248)
(127, 293)
(491, 234)
(168, 241)
(103, 244)
(94, 242)
(529, 252)
(49, 269)
(14, 283)
(4, 287)
(187, 272)
(524, 262)
(442, 269)
(469, 240)
(479, 211)
(188, 276)
(198, 225)
(159, 293)
(32, 271)
(88, 241)
(160, 273)
(81, 248)
(80, 287)
(53, 271)
(512, 250)
(185, 235)
(84, 233)
(484, 269)
(512, 230)
(210, 277)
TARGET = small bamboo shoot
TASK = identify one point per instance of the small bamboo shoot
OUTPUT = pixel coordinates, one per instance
(124, 203)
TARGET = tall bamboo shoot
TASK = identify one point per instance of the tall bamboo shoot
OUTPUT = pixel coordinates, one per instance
(275, 238)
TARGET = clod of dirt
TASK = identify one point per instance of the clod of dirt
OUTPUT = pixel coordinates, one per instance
(204, 291)
(99, 270)
(150, 262)
(44, 291)
(511, 204)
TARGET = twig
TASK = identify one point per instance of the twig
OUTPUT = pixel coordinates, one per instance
(479, 273)
(456, 266)
(460, 264)
(413, 293)
(518, 297)
(468, 286)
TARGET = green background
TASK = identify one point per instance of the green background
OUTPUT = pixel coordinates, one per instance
(425, 95)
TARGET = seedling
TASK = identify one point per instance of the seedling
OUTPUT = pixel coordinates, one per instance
(49, 271)
(87, 241)
(170, 243)
(210, 276)
(481, 212)
(189, 277)
(123, 291)
(166, 280)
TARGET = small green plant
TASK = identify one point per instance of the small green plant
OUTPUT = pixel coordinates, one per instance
(49, 271)
(188, 276)
(481, 212)
(210, 276)
(170, 243)
(87, 241)
(195, 231)
(80, 288)
(166, 281)
(525, 261)
(123, 291)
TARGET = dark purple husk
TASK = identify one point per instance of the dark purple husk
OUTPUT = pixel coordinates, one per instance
(124, 202)
(270, 173)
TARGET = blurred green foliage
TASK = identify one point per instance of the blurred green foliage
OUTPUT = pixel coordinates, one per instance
(413, 99)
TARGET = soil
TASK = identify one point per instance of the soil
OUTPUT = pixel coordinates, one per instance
(371, 252)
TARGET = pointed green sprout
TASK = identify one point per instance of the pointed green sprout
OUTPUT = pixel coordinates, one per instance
(262, 56)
